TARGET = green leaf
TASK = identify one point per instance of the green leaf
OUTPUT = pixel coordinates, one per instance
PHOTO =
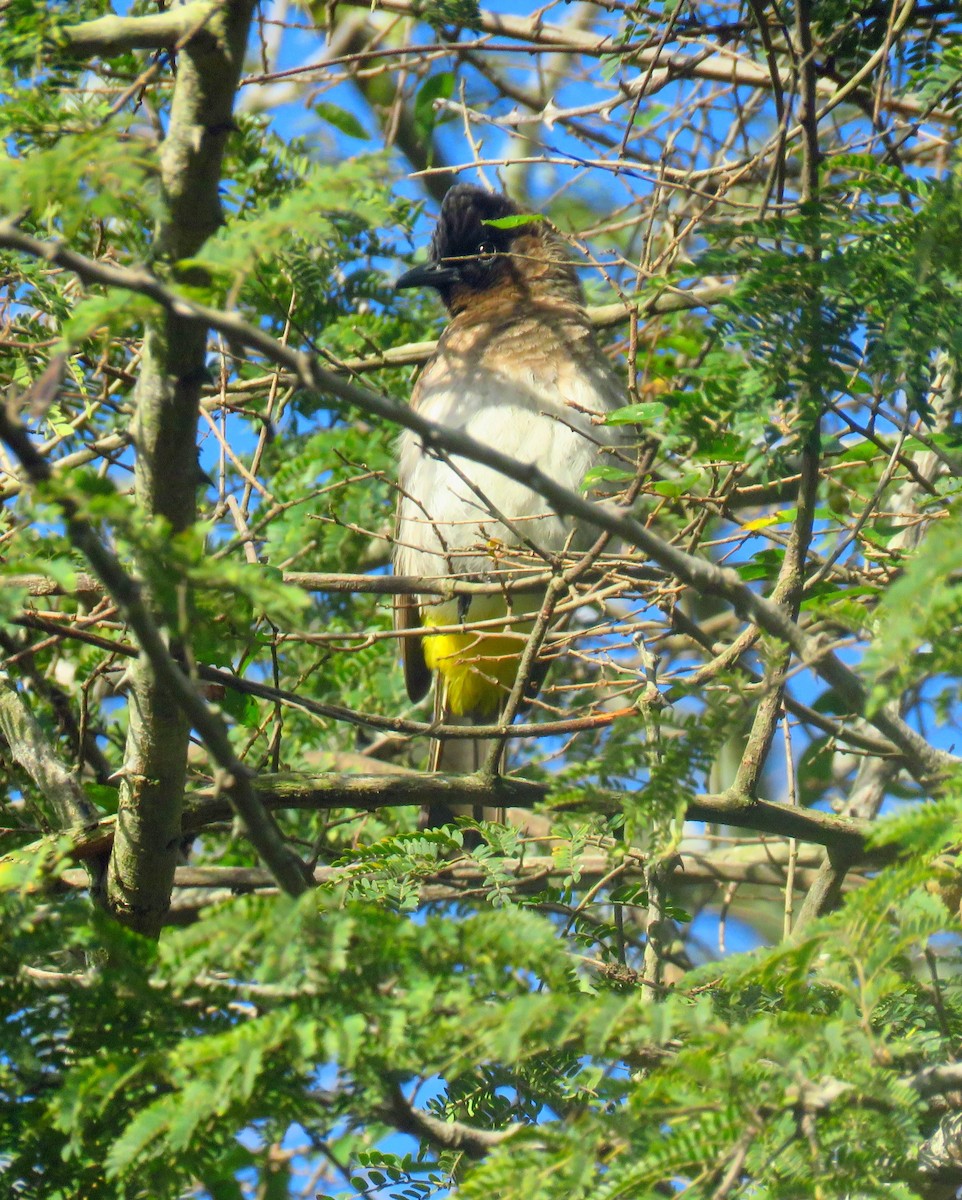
(514, 220)
(59, 426)
(96, 172)
(677, 487)
(244, 709)
(651, 412)
(923, 607)
(146, 1127)
(109, 312)
(465, 13)
(326, 203)
(606, 473)
(435, 87)
(341, 119)
(630, 893)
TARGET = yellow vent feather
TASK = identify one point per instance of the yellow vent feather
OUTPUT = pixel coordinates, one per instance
(478, 669)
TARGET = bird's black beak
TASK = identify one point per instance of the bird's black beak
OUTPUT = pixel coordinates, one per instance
(432, 274)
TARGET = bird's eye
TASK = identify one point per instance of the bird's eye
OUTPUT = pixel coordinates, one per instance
(487, 252)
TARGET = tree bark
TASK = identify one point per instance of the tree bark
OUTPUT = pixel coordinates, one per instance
(141, 871)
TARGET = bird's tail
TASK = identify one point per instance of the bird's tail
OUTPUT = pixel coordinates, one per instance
(460, 756)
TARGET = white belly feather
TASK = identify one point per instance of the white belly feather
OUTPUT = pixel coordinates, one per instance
(447, 522)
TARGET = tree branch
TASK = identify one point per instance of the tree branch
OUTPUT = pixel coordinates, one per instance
(260, 826)
(55, 782)
(370, 793)
(161, 700)
(847, 733)
(107, 36)
(446, 1135)
(722, 66)
(934, 1081)
(527, 875)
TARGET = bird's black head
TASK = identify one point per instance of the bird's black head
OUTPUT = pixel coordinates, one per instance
(466, 252)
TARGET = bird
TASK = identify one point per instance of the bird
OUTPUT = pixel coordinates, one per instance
(517, 368)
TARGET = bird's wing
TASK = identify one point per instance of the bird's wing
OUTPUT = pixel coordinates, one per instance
(407, 616)
(417, 677)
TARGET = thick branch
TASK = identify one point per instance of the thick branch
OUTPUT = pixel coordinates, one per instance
(156, 31)
(791, 574)
(161, 701)
(370, 793)
(29, 747)
(503, 582)
(934, 1081)
(446, 1135)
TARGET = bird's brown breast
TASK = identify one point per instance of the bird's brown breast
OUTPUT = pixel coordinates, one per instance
(497, 337)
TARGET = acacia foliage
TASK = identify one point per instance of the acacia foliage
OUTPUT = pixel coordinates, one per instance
(433, 1013)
